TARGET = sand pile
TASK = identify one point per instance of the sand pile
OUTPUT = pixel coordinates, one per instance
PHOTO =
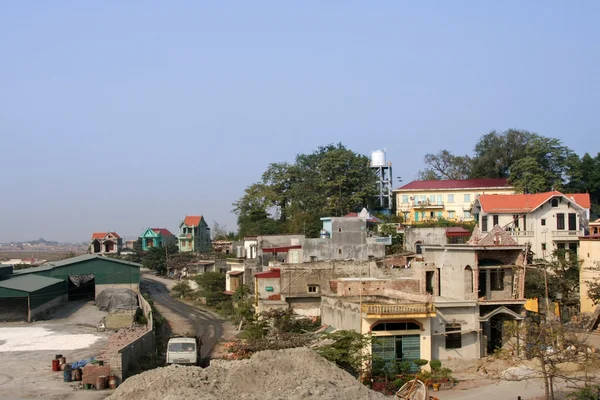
(289, 374)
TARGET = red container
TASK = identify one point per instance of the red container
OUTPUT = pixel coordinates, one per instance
(101, 383)
(55, 365)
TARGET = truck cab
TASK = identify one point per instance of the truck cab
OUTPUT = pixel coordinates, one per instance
(183, 351)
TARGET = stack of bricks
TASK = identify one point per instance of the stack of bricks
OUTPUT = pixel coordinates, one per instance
(121, 339)
(91, 372)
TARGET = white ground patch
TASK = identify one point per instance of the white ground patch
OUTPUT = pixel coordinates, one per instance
(38, 339)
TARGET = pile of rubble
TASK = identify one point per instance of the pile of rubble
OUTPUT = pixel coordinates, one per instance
(288, 374)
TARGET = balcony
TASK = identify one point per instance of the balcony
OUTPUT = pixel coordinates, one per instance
(415, 310)
(428, 204)
(521, 233)
(572, 234)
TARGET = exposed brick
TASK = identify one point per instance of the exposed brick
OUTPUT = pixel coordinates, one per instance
(91, 372)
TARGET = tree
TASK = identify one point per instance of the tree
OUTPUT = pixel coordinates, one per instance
(290, 198)
(445, 165)
(552, 346)
(212, 287)
(346, 350)
(156, 258)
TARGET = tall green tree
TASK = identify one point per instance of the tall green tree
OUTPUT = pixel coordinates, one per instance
(290, 198)
(156, 258)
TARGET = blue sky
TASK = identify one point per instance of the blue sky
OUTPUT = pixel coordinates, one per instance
(124, 116)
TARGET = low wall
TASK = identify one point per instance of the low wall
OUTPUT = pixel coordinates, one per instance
(125, 349)
(129, 355)
(48, 305)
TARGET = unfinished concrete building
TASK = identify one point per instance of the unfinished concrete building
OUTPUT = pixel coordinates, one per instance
(452, 305)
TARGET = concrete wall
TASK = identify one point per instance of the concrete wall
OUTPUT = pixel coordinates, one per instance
(375, 287)
(118, 320)
(452, 265)
(328, 249)
(340, 314)
(124, 361)
(467, 315)
(589, 254)
(275, 283)
(427, 236)
(35, 312)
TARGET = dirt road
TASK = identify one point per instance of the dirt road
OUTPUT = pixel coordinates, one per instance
(183, 316)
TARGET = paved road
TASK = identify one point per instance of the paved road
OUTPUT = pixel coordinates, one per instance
(207, 325)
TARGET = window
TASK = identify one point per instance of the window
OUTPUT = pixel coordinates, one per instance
(467, 198)
(405, 198)
(495, 219)
(313, 258)
(340, 229)
(484, 223)
(466, 214)
(516, 221)
(560, 221)
(572, 221)
(497, 279)
(554, 203)
(423, 199)
(543, 246)
(543, 221)
(432, 199)
(429, 281)
(451, 214)
(453, 337)
(339, 251)
(573, 248)
(396, 326)
(439, 199)
(313, 288)
(450, 198)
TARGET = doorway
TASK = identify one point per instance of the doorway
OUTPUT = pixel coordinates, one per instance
(82, 287)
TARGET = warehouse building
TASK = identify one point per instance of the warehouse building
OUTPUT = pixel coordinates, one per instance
(26, 293)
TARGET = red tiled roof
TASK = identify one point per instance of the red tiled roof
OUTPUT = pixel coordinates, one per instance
(457, 231)
(192, 220)
(508, 203)
(274, 273)
(102, 235)
(162, 231)
(457, 184)
(595, 236)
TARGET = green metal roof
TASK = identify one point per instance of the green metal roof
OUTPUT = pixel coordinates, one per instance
(28, 283)
(73, 260)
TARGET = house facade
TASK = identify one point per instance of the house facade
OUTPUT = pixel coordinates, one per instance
(194, 235)
(157, 237)
(105, 243)
(589, 254)
(547, 221)
(430, 200)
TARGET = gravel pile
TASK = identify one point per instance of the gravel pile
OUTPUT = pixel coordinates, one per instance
(289, 374)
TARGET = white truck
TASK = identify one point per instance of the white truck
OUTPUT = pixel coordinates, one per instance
(184, 351)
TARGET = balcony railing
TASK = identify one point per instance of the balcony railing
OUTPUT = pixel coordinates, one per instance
(408, 308)
(567, 233)
(521, 233)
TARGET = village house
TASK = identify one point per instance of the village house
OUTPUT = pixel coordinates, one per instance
(194, 235)
(589, 255)
(157, 237)
(452, 305)
(431, 200)
(546, 221)
(595, 227)
(105, 243)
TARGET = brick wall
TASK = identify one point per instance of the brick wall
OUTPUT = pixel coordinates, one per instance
(376, 287)
(91, 372)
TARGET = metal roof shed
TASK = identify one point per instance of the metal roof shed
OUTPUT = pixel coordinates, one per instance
(23, 297)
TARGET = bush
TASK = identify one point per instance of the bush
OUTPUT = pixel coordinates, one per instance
(182, 289)
(587, 393)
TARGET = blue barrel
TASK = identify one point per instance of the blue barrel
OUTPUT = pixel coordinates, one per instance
(67, 373)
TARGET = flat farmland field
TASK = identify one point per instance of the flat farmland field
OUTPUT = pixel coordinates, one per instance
(40, 255)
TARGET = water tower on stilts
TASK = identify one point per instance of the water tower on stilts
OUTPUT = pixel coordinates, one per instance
(383, 169)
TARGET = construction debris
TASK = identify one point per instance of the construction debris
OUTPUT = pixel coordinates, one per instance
(289, 374)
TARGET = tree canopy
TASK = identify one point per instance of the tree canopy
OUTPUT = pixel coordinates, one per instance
(532, 163)
(290, 198)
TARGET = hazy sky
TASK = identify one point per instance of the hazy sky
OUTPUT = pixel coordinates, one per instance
(123, 116)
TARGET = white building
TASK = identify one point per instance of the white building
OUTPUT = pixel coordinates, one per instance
(547, 221)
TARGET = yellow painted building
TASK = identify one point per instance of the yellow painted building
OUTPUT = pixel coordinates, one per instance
(589, 254)
(423, 201)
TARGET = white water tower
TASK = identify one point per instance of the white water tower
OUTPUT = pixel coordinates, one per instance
(383, 170)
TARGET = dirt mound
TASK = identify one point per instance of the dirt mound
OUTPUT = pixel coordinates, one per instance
(290, 374)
